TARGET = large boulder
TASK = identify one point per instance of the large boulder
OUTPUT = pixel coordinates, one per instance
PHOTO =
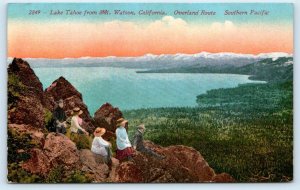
(182, 164)
(61, 150)
(106, 116)
(95, 168)
(63, 89)
(58, 151)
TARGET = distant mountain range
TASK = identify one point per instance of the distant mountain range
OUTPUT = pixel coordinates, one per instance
(163, 61)
(269, 69)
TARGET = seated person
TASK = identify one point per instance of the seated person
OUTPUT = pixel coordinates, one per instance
(138, 143)
(124, 150)
(76, 122)
(60, 117)
(100, 146)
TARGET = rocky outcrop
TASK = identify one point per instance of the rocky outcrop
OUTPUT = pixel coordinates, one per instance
(60, 151)
(63, 89)
(25, 95)
(106, 116)
(26, 75)
(182, 164)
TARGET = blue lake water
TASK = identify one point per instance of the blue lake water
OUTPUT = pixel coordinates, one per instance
(126, 89)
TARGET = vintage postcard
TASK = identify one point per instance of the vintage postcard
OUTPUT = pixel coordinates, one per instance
(150, 92)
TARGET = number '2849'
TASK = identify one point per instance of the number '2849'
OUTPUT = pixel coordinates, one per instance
(34, 12)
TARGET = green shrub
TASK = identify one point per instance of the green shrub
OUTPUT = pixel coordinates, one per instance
(59, 175)
(48, 117)
(18, 175)
(14, 87)
(82, 141)
(55, 175)
(78, 177)
(19, 141)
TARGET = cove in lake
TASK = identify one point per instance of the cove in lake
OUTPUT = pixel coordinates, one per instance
(126, 89)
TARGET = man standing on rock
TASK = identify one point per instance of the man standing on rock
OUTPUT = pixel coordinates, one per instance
(60, 117)
(138, 143)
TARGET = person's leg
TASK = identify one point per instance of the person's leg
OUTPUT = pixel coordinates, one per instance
(108, 152)
(63, 129)
(129, 157)
(152, 153)
(58, 128)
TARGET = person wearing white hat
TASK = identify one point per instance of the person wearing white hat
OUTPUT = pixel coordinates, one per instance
(124, 149)
(75, 122)
(100, 146)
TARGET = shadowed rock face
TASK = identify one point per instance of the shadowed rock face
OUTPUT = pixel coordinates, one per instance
(26, 114)
(26, 75)
(37, 135)
(25, 95)
(106, 116)
(28, 110)
(182, 164)
(63, 89)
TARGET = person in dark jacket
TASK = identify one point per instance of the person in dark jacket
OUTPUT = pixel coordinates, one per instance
(138, 143)
(60, 118)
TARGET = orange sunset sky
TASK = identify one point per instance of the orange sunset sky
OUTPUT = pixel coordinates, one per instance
(54, 38)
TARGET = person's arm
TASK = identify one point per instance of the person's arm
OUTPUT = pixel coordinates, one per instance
(103, 142)
(75, 121)
(65, 117)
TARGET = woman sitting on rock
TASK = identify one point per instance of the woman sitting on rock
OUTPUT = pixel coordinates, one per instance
(100, 146)
(76, 122)
(124, 149)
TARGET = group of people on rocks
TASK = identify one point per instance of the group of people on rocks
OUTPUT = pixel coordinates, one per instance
(60, 123)
(100, 147)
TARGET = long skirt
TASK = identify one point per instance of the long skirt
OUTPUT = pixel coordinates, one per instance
(106, 159)
(122, 154)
